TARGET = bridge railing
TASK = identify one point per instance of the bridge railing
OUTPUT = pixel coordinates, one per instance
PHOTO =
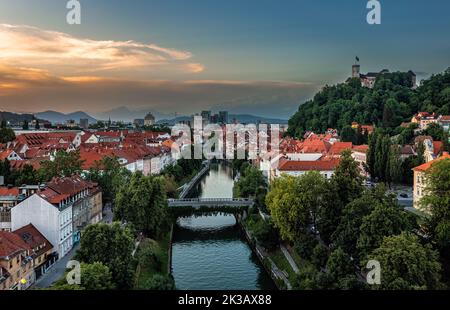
(211, 200)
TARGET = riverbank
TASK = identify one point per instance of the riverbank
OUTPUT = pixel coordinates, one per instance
(153, 260)
(274, 262)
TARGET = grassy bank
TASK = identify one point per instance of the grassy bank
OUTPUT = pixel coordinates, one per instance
(153, 262)
(272, 252)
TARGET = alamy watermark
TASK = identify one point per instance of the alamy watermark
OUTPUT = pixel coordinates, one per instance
(73, 17)
(374, 15)
(74, 275)
(373, 277)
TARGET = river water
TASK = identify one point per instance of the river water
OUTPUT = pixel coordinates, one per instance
(211, 252)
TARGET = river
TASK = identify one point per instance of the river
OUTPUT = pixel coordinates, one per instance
(211, 252)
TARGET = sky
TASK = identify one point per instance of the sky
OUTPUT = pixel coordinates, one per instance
(263, 57)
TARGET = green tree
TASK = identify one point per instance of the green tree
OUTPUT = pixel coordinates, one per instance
(395, 165)
(160, 283)
(250, 183)
(386, 219)
(25, 125)
(96, 276)
(344, 186)
(306, 279)
(348, 134)
(319, 256)
(437, 201)
(266, 235)
(112, 246)
(339, 274)
(407, 264)
(6, 134)
(294, 203)
(109, 175)
(143, 202)
(347, 233)
(26, 175)
(65, 164)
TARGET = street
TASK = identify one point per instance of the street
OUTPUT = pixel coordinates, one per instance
(57, 271)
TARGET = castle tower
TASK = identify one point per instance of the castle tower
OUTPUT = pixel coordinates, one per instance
(356, 71)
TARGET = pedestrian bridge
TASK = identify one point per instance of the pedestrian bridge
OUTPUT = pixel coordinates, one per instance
(198, 203)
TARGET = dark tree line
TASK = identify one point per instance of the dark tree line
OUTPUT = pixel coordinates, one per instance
(384, 160)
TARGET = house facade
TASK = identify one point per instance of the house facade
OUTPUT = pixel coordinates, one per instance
(16, 263)
(60, 211)
(420, 180)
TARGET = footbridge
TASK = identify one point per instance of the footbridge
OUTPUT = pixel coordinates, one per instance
(213, 203)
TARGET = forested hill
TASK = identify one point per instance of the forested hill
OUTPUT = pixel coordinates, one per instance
(388, 104)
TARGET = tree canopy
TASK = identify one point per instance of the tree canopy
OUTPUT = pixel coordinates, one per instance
(111, 245)
(142, 202)
(390, 102)
(407, 264)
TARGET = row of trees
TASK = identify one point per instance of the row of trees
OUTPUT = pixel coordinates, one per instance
(337, 226)
(384, 160)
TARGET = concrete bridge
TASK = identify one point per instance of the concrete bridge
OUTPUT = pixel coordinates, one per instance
(197, 203)
(186, 188)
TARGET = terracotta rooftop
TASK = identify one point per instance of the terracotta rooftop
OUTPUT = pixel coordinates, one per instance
(11, 244)
(428, 165)
(338, 147)
(6, 191)
(361, 148)
(36, 241)
(318, 165)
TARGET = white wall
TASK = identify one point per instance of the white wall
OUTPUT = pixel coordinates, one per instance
(47, 219)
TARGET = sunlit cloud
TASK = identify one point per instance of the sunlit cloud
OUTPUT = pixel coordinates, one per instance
(61, 53)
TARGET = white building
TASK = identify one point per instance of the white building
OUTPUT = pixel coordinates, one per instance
(299, 168)
(51, 215)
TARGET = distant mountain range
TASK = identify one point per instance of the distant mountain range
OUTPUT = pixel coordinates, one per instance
(124, 114)
(57, 117)
(14, 117)
(240, 118)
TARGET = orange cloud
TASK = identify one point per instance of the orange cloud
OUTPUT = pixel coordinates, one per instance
(61, 53)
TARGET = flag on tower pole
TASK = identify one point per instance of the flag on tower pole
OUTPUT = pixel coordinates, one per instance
(357, 58)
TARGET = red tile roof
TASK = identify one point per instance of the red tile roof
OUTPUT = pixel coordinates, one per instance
(4, 155)
(62, 188)
(338, 147)
(318, 165)
(36, 241)
(6, 191)
(11, 244)
(428, 165)
(361, 148)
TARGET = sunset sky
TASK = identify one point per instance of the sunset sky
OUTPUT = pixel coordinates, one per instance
(246, 56)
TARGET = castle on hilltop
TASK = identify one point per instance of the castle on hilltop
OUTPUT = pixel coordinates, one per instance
(368, 80)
